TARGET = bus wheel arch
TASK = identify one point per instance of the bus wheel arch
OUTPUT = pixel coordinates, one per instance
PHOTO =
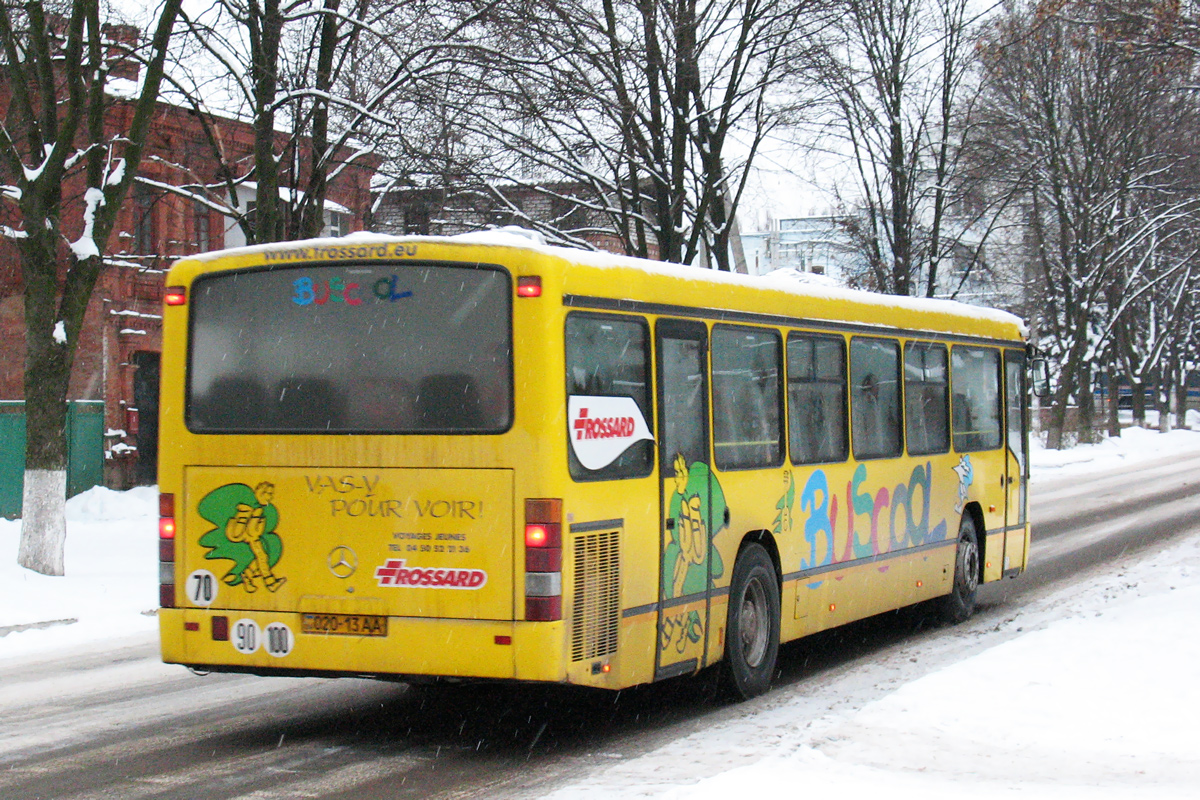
(959, 604)
(753, 622)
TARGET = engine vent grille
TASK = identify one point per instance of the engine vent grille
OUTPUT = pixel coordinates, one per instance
(596, 616)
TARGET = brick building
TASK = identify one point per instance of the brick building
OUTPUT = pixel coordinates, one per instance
(568, 208)
(117, 358)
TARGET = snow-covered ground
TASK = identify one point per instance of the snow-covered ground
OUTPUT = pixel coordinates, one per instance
(1091, 692)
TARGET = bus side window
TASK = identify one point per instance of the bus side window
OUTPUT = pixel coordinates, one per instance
(975, 378)
(926, 398)
(875, 397)
(816, 375)
(746, 402)
(608, 356)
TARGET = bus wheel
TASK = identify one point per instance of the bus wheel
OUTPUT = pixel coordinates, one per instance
(960, 603)
(752, 634)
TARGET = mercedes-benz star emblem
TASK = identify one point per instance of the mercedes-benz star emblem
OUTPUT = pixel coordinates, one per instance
(342, 561)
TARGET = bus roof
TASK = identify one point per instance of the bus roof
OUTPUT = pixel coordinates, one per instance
(784, 294)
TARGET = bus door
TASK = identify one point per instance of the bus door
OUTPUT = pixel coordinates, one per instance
(683, 461)
(1016, 459)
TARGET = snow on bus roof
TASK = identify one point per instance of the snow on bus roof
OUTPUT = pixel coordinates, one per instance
(781, 280)
(784, 279)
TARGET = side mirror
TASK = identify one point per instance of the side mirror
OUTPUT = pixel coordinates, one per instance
(1040, 370)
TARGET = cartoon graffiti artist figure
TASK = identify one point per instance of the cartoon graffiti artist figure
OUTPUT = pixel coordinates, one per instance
(690, 550)
(696, 512)
(966, 476)
(245, 521)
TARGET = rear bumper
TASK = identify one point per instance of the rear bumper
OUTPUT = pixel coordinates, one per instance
(412, 647)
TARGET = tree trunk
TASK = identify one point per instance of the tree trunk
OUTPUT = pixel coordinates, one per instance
(1058, 414)
(1137, 401)
(44, 522)
(1114, 412)
(1162, 398)
(48, 356)
(1181, 400)
(1087, 407)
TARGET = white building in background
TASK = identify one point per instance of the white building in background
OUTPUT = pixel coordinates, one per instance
(338, 218)
(821, 245)
(817, 245)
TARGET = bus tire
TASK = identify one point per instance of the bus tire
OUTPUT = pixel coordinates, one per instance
(752, 631)
(960, 603)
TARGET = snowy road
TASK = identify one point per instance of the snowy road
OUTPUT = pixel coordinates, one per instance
(117, 724)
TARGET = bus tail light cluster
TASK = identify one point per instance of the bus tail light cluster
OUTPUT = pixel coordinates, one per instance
(529, 286)
(166, 550)
(543, 560)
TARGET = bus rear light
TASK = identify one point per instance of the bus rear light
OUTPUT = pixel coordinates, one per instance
(546, 559)
(220, 629)
(543, 609)
(191, 627)
(529, 286)
(543, 509)
(166, 550)
(543, 534)
(175, 295)
(543, 584)
(543, 559)
(502, 639)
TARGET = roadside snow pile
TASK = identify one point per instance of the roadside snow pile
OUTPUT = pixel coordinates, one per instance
(111, 586)
(1134, 444)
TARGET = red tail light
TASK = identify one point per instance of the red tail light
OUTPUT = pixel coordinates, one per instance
(175, 295)
(529, 286)
(543, 559)
(166, 550)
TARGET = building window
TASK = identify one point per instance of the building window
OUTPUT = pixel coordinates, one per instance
(416, 220)
(143, 222)
(337, 223)
(201, 223)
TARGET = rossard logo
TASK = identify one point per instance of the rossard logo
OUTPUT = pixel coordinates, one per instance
(394, 572)
(602, 428)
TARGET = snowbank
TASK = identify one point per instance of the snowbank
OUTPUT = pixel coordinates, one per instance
(111, 585)
(1134, 445)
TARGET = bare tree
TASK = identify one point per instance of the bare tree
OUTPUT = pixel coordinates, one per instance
(1079, 126)
(318, 80)
(898, 93)
(652, 108)
(67, 165)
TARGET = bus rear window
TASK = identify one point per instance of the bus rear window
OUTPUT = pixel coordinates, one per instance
(362, 348)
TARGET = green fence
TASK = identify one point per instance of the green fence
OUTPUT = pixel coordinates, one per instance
(85, 451)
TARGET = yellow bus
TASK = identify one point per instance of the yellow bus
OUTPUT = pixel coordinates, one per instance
(482, 457)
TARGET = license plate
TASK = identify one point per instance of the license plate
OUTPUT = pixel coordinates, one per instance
(344, 624)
